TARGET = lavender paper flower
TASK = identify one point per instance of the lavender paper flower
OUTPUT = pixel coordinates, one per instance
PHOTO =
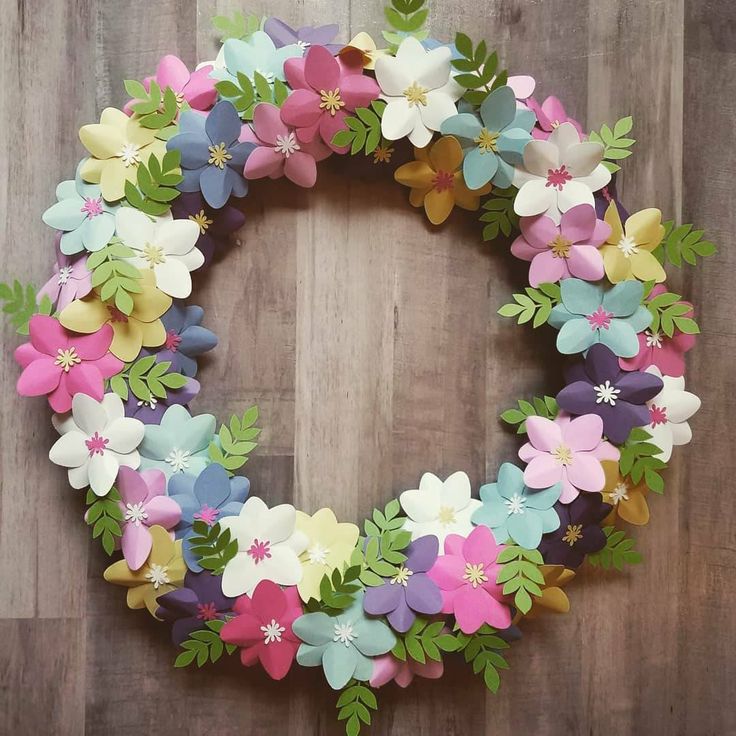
(152, 411)
(284, 35)
(186, 339)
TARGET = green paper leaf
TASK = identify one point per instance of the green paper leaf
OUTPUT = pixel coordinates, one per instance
(498, 214)
(235, 440)
(104, 516)
(541, 407)
(619, 551)
(363, 132)
(615, 143)
(237, 26)
(683, 245)
(22, 303)
(479, 75)
(535, 305)
(354, 705)
(637, 460)
(156, 184)
(212, 546)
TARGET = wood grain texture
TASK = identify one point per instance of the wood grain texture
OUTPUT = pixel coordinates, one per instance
(371, 344)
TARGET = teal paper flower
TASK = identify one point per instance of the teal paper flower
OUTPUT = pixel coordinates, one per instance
(342, 644)
(493, 144)
(85, 219)
(589, 313)
(179, 444)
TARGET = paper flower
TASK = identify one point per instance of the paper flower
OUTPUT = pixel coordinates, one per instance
(262, 628)
(411, 591)
(599, 386)
(304, 37)
(212, 157)
(553, 598)
(165, 246)
(117, 145)
(579, 533)
(329, 546)
(567, 451)
(569, 249)
(418, 86)
(269, 546)
(387, 668)
(152, 410)
(59, 364)
(144, 504)
(209, 497)
(559, 174)
(142, 327)
(342, 644)
(161, 573)
(513, 511)
(439, 507)
(627, 499)
(71, 280)
(179, 444)
(590, 314)
(669, 411)
(362, 49)
(466, 574)
(96, 439)
(85, 220)
(492, 143)
(278, 151)
(628, 250)
(325, 91)
(189, 609)
(436, 180)
(550, 115)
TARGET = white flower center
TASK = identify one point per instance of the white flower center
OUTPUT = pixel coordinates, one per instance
(620, 493)
(150, 403)
(130, 153)
(65, 273)
(303, 44)
(627, 245)
(606, 394)
(317, 554)
(286, 144)
(158, 575)
(516, 504)
(135, 513)
(344, 633)
(402, 576)
(178, 459)
(654, 339)
(272, 632)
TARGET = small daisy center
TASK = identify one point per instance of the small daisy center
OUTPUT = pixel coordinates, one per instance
(259, 551)
(202, 221)
(475, 574)
(207, 514)
(557, 178)
(573, 533)
(487, 141)
(178, 459)
(219, 156)
(149, 403)
(303, 44)
(657, 415)
(67, 359)
(446, 515)
(154, 254)
(135, 513)
(65, 273)
(286, 144)
(96, 444)
(560, 247)
(563, 455)
(606, 393)
(600, 319)
(555, 124)
(172, 341)
(516, 504)
(206, 611)
(317, 554)
(416, 95)
(627, 245)
(92, 207)
(654, 339)
(130, 153)
(331, 101)
(382, 154)
(272, 632)
(345, 634)
(402, 576)
(619, 493)
(158, 575)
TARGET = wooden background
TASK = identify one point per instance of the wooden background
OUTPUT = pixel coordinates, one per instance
(372, 346)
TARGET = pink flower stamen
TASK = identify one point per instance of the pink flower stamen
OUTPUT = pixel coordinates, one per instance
(259, 551)
(172, 341)
(557, 178)
(116, 315)
(207, 514)
(657, 415)
(600, 319)
(92, 207)
(443, 180)
(96, 444)
(206, 611)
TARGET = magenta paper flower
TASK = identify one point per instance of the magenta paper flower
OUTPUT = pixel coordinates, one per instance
(655, 348)
(564, 250)
(278, 151)
(143, 503)
(71, 279)
(58, 363)
(567, 451)
(466, 575)
(387, 668)
(550, 115)
(325, 91)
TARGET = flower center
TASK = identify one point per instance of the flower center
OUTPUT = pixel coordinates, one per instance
(115, 314)
(317, 554)
(67, 359)
(303, 44)
(443, 180)
(178, 459)
(172, 341)
(65, 273)
(487, 141)
(657, 415)
(130, 153)
(560, 247)
(563, 455)
(654, 339)
(206, 611)
(600, 319)
(620, 493)
(344, 633)
(555, 124)
(331, 100)
(416, 95)
(286, 145)
(158, 575)
(573, 533)
(272, 632)
(516, 504)
(402, 576)
(207, 514)
(557, 178)
(475, 574)
(149, 403)
(446, 515)
(627, 245)
(219, 155)
(135, 513)
(259, 551)
(96, 444)
(92, 207)
(606, 393)
(202, 221)
(154, 254)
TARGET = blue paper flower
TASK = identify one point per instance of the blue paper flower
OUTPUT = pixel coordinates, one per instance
(186, 339)
(209, 497)
(512, 510)
(590, 314)
(86, 220)
(494, 143)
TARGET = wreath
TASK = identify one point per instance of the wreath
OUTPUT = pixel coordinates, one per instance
(114, 348)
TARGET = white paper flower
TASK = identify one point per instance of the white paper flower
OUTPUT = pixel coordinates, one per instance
(419, 90)
(559, 174)
(440, 508)
(166, 246)
(268, 547)
(96, 439)
(669, 411)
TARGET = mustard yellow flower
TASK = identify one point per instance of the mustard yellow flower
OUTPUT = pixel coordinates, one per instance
(553, 598)
(362, 50)
(627, 498)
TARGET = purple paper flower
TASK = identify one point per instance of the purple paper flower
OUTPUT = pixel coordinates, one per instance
(579, 534)
(599, 386)
(151, 411)
(212, 157)
(605, 196)
(283, 35)
(71, 279)
(191, 607)
(411, 590)
(214, 225)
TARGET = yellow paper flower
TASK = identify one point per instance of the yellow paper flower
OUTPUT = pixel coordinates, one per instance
(553, 598)
(143, 328)
(117, 145)
(330, 545)
(627, 498)
(627, 254)
(161, 573)
(362, 50)
(436, 180)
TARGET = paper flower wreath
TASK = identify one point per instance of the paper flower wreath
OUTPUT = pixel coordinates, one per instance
(446, 567)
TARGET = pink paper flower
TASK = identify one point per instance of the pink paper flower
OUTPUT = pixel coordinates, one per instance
(279, 153)
(143, 503)
(564, 250)
(59, 363)
(325, 91)
(655, 348)
(71, 279)
(550, 115)
(466, 575)
(262, 627)
(567, 451)
(387, 668)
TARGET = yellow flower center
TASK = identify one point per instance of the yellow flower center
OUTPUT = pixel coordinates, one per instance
(331, 100)
(446, 515)
(487, 141)
(416, 95)
(202, 221)
(555, 124)
(573, 533)
(475, 574)
(179, 98)
(130, 154)
(382, 154)
(67, 359)
(402, 576)
(563, 455)
(560, 247)
(219, 155)
(154, 254)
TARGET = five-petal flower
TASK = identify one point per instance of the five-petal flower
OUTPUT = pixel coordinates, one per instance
(550, 115)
